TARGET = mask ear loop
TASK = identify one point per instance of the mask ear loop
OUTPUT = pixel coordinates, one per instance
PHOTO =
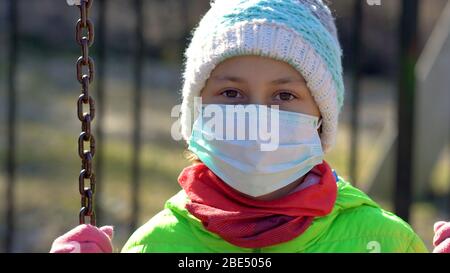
(319, 124)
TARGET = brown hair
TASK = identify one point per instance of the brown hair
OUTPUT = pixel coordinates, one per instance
(191, 157)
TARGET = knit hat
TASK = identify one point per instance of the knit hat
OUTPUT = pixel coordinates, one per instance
(299, 32)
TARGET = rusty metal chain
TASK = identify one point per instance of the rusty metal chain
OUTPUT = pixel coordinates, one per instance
(85, 38)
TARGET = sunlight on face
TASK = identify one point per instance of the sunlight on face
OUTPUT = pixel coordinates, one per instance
(259, 80)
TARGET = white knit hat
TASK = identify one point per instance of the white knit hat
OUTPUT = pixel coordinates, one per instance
(299, 32)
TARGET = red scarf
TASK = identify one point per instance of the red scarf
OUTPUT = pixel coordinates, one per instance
(250, 223)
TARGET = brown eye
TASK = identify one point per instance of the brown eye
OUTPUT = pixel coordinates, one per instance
(230, 93)
(285, 96)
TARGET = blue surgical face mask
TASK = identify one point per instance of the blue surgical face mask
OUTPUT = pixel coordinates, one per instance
(261, 162)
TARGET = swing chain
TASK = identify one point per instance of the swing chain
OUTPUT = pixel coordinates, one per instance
(85, 38)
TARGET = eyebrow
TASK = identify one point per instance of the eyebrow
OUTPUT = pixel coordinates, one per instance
(241, 80)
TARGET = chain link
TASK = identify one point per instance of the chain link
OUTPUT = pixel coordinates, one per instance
(85, 38)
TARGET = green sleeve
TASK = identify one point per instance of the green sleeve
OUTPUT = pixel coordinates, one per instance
(129, 247)
(416, 245)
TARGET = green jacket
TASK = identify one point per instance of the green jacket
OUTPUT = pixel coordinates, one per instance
(356, 224)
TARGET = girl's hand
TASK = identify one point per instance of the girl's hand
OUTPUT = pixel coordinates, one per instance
(85, 239)
(441, 239)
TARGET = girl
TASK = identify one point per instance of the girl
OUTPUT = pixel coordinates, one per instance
(237, 196)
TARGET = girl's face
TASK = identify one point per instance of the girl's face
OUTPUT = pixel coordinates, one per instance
(259, 80)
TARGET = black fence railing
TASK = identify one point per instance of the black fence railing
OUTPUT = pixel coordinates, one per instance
(11, 124)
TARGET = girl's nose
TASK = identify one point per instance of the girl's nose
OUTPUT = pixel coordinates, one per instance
(258, 98)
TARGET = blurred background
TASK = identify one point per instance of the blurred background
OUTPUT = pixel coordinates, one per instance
(394, 131)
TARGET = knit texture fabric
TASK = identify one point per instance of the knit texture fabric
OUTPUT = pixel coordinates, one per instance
(301, 33)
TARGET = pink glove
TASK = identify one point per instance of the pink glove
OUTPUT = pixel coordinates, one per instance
(85, 239)
(441, 239)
